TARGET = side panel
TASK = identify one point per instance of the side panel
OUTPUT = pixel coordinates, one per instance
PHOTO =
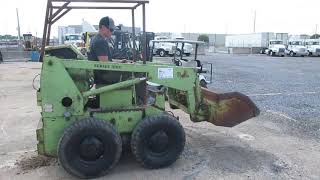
(124, 121)
(56, 84)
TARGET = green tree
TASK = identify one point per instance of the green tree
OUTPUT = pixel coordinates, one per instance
(8, 37)
(204, 38)
(315, 36)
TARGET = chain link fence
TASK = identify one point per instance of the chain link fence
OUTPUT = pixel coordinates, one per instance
(13, 52)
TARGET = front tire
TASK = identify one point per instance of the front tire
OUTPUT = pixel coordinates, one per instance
(291, 54)
(272, 53)
(158, 141)
(89, 148)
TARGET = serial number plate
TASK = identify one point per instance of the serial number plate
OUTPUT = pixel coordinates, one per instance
(165, 73)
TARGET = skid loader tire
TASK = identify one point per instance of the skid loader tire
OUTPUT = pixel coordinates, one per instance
(157, 141)
(89, 148)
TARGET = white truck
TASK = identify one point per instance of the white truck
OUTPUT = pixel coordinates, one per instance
(256, 42)
(187, 48)
(313, 47)
(75, 39)
(276, 48)
(162, 48)
(296, 48)
(166, 48)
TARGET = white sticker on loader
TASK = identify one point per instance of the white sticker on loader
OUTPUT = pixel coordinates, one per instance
(165, 73)
(47, 108)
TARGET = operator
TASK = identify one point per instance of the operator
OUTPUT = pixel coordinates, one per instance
(99, 46)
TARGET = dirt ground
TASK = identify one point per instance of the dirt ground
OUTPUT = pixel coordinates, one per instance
(261, 148)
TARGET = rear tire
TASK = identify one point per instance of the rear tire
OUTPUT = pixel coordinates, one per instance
(89, 148)
(158, 141)
(178, 52)
(162, 53)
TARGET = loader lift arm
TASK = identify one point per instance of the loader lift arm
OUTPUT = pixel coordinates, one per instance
(184, 91)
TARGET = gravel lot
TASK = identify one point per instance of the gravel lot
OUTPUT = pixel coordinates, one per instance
(282, 143)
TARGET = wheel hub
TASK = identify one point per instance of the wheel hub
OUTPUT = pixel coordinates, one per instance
(158, 142)
(91, 148)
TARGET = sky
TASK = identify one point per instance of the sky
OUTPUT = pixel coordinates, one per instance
(185, 16)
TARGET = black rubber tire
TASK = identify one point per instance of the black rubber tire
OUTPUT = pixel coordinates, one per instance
(188, 54)
(178, 52)
(203, 84)
(147, 129)
(271, 53)
(162, 53)
(292, 54)
(69, 148)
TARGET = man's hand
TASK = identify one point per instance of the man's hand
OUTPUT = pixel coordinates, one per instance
(103, 58)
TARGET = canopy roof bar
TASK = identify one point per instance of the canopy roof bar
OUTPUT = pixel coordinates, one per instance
(62, 7)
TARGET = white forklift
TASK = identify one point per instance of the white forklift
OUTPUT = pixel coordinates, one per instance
(296, 48)
(276, 48)
(313, 47)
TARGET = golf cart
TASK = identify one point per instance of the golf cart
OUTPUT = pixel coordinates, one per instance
(180, 60)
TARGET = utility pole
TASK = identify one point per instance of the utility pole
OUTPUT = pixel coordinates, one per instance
(18, 28)
(254, 21)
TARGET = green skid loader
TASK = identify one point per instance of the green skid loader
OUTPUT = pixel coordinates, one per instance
(86, 124)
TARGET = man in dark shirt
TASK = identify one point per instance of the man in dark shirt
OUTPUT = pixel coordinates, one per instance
(99, 47)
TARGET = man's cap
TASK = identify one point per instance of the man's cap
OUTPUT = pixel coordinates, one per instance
(108, 22)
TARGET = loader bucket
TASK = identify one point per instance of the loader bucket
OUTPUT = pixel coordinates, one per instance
(228, 109)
